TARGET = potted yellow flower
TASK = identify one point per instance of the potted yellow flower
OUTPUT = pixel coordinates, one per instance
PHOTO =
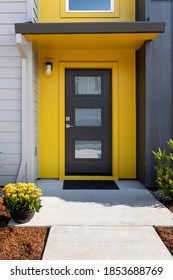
(22, 201)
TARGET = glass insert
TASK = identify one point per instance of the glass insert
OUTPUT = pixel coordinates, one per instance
(87, 117)
(88, 149)
(87, 85)
(90, 5)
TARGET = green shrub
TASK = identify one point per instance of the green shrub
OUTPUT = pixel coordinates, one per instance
(164, 169)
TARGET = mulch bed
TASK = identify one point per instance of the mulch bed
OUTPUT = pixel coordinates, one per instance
(166, 233)
(22, 243)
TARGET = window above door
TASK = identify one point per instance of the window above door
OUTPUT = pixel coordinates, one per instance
(89, 8)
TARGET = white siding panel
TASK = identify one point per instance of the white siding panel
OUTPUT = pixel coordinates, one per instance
(10, 137)
(12, 18)
(10, 72)
(6, 7)
(8, 105)
(7, 40)
(13, 148)
(11, 11)
(10, 83)
(11, 159)
(7, 29)
(10, 126)
(7, 94)
(12, 62)
(9, 51)
(4, 180)
(13, 1)
(6, 170)
(10, 116)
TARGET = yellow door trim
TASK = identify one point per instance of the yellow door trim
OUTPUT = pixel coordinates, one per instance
(88, 65)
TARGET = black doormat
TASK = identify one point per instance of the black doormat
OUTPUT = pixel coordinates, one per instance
(89, 185)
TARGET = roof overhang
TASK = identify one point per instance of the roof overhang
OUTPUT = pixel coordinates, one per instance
(107, 35)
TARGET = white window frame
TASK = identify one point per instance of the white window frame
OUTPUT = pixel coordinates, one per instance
(90, 11)
(114, 12)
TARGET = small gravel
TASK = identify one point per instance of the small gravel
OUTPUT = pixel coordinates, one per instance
(160, 196)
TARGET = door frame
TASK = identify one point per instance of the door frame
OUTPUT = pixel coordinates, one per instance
(115, 107)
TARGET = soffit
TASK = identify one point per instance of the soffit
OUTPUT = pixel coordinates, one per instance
(87, 36)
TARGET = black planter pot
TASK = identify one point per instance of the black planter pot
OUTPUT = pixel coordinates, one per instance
(22, 217)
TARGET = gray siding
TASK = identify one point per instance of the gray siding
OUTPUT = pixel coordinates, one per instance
(10, 90)
(154, 90)
(35, 10)
(161, 77)
(35, 113)
(14, 11)
(32, 11)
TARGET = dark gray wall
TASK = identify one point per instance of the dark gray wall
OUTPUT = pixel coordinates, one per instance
(141, 109)
(154, 89)
(140, 10)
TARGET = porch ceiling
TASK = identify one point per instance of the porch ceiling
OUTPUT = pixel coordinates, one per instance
(89, 41)
(90, 36)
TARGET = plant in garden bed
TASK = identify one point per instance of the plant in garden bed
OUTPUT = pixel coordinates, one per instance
(22, 199)
(164, 169)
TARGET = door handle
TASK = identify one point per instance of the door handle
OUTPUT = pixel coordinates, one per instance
(69, 125)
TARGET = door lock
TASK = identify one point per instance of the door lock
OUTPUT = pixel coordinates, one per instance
(69, 125)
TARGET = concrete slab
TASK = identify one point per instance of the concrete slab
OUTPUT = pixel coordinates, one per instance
(92, 224)
(132, 204)
(105, 243)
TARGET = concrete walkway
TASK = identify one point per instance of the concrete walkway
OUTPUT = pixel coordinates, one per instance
(112, 224)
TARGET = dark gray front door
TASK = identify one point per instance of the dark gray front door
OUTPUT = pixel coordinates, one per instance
(88, 122)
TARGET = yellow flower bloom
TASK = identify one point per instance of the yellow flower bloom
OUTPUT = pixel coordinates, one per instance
(22, 196)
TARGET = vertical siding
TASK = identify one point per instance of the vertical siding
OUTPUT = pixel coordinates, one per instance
(35, 10)
(32, 8)
(35, 113)
(155, 89)
(33, 17)
(162, 79)
(11, 11)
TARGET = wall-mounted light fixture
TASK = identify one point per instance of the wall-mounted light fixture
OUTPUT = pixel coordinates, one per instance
(49, 68)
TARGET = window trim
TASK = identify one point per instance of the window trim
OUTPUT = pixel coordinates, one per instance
(114, 12)
(90, 11)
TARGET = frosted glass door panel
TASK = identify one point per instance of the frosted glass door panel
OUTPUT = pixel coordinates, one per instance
(87, 117)
(88, 149)
(87, 85)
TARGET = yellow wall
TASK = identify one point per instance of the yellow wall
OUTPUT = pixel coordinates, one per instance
(53, 11)
(48, 123)
(52, 95)
(51, 122)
